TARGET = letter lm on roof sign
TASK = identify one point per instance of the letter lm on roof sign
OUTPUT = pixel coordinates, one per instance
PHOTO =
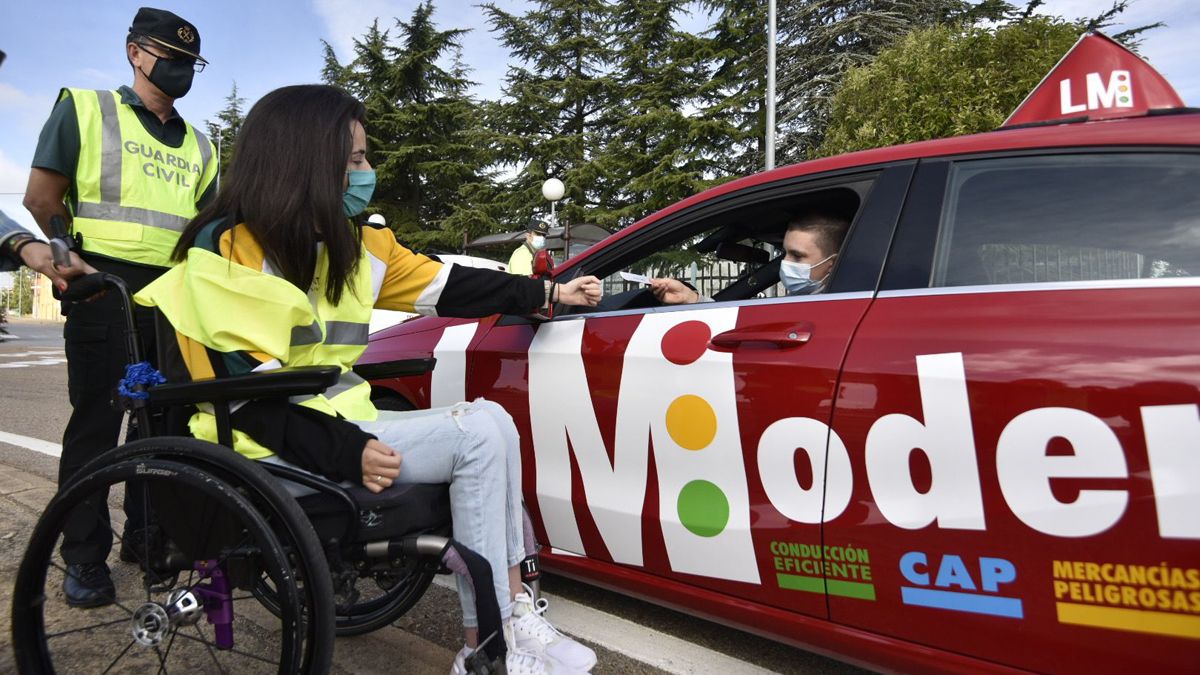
(1097, 79)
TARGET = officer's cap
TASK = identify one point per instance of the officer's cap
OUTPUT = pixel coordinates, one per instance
(538, 225)
(167, 30)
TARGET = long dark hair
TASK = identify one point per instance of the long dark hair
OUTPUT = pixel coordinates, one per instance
(285, 184)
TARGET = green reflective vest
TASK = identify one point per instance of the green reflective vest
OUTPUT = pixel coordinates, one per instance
(135, 193)
(228, 307)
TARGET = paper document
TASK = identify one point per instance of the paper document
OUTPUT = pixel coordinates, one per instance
(635, 278)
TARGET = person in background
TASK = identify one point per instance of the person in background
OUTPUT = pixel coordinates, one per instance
(810, 248)
(521, 261)
(126, 173)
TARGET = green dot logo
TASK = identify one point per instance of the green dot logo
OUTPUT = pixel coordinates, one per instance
(703, 508)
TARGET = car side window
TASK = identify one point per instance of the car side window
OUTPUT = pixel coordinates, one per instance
(732, 253)
(709, 270)
(1070, 218)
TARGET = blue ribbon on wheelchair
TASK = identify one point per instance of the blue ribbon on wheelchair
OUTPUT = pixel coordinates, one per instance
(141, 373)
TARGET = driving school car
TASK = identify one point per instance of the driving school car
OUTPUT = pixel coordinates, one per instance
(978, 450)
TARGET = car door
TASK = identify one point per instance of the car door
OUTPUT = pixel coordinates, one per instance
(1019, 409)
(688, 442)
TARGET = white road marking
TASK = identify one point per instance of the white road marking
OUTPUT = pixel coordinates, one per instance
(27, 364)
(35, 444)
(660, 650)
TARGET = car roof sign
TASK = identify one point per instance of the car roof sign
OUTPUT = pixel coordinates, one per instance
(1098, 79)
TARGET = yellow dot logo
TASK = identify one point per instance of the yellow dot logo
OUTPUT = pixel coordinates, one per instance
(691, 422)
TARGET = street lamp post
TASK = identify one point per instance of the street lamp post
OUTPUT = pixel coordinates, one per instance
(770, 123)
(553, 190)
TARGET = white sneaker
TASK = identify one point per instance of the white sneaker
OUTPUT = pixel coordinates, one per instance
(534, 633)
(459, 667)
(517, 662)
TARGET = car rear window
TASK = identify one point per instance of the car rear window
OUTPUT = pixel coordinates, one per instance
(1070, 218)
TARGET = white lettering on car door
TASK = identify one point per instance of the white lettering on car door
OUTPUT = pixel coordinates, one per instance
(946, 437)
(1173, 442)
(831, 486)
(563, 420)
(685, 410)
(1025, 470)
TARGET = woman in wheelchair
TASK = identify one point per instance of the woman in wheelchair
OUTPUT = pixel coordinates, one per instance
(274, 273)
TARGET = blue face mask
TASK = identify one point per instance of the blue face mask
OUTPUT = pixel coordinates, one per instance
(797, 277)
(358, 193)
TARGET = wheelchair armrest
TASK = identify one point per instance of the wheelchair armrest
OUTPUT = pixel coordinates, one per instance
(398, 368)
(279, 383)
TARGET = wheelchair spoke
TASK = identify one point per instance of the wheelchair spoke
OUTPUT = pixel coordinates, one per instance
(119, 656)
(109, 597)
(162, 660)
(207, 646)
(239, 652)
(92, 627)
(162, 669)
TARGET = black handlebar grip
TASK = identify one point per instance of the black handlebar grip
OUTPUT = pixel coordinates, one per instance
(82, 288)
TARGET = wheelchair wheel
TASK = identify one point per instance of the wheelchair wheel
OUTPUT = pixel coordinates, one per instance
(185, 606)
(382, 601)
(287, 521)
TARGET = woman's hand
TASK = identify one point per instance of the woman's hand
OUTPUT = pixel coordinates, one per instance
(673, 292)
(380, 466)
(584, 291)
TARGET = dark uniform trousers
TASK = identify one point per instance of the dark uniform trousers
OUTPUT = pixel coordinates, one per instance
(96, 357)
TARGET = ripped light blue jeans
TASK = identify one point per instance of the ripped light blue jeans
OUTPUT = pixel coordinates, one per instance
(475, 448)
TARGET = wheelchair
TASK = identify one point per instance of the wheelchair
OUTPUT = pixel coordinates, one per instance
(245, 566)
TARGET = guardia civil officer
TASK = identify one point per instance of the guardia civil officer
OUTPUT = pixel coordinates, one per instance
(128, 173)
(521, 261)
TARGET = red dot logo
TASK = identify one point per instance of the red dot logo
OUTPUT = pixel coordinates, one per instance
(686, 342)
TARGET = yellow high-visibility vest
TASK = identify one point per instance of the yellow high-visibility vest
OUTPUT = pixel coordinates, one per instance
(228, 307)
(136, 194)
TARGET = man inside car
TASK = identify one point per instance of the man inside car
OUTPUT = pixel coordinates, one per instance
(810, 246)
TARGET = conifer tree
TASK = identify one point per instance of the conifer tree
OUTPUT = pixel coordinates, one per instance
(661, 148)
(734, 96)
(822, 39)
(224, 130)
(420, 124)
(550, 123)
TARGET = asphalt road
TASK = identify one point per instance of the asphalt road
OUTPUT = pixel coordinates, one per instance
(33, 404)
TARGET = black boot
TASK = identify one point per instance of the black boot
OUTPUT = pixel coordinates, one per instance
(88, 585)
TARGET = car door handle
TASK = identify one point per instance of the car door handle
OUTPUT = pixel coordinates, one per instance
(766, 336)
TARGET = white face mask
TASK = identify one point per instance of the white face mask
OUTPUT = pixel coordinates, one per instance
(797, 277)
(538, 243)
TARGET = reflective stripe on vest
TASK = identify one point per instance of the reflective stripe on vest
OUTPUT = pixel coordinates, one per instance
(343, 339)
(135, 193)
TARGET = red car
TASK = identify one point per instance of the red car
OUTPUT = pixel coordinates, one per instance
(979, 449)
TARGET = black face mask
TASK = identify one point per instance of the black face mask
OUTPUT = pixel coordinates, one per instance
(173, 77)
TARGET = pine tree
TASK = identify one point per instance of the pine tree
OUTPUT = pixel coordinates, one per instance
(223, 132)
(420, 125)
(736, 49)
(820, 40)
(549, 125)
(661, 147)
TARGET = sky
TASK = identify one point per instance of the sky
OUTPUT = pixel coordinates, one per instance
(265, 44)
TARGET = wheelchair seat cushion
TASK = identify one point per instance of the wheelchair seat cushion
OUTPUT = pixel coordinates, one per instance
(397, 511)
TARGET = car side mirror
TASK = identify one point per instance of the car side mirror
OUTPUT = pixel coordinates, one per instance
(543, 264)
